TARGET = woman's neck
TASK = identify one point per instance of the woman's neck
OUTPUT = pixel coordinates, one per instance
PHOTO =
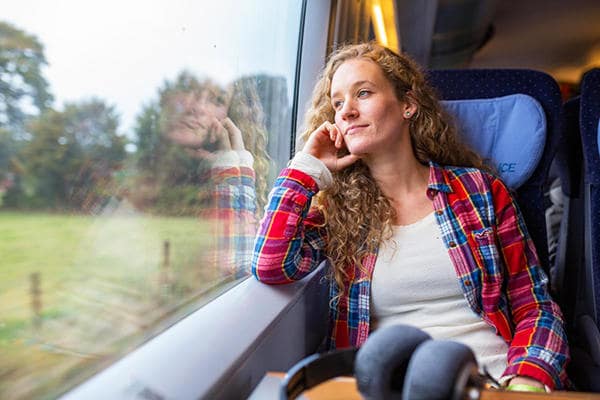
(403, 180)
(399, 175)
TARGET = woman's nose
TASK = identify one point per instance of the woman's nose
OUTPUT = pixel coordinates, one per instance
(349, 110)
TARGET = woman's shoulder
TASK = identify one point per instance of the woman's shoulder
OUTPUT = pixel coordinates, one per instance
(461, 171)
(471, 177)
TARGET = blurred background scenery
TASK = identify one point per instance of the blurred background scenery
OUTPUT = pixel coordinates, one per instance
(103, 237)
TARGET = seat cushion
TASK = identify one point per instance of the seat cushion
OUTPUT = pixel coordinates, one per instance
(508, 131)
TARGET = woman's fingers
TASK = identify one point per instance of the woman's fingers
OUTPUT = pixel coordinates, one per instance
(334, 134)
(346, 161)
(332, 131)
(339, 138)
(235, 135)
(324, 143)
(220, 135)
(321, 140)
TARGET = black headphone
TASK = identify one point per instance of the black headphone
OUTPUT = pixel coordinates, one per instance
(396, 362)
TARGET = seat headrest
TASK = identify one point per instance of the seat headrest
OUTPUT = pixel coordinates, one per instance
(508, 131)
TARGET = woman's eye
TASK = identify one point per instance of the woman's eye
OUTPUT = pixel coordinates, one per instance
(337, 104)
(363, 93)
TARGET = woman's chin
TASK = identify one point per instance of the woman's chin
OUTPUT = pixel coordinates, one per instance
(357, 149)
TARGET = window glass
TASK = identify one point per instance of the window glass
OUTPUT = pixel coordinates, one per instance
(137, 142)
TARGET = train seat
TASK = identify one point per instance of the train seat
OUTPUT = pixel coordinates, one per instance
(569, 130)
(589, 123)
(579, 161)
(513, 118)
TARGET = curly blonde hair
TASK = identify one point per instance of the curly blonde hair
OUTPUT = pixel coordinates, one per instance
(358, 215)
(246, 111)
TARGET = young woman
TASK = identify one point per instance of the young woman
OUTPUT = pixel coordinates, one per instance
(415, 228)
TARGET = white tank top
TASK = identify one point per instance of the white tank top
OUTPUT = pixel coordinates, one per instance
(414, 283)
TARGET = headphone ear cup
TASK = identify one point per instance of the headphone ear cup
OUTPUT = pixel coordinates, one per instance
(381, 362)
(439, 369)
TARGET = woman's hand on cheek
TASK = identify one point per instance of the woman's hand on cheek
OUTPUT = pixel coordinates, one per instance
(234, 135)
(325, 143)
(217, 138)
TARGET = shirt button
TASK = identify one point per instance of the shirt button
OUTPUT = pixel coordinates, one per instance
(439, 212)
(467, 283)
(452, 244)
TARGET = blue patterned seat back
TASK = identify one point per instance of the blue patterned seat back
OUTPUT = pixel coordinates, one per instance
(497, 83)
(589, 122)
(509, 132)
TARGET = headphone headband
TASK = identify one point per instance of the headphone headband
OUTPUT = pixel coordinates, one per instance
(317, 369)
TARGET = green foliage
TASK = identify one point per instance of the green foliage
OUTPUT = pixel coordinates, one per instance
(148, 136)
(8, 147)
(48, 158)
(21, 80)
(23, 92)
(70, 159)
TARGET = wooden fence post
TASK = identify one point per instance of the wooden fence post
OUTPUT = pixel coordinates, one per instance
(36, 299)
(165, 273)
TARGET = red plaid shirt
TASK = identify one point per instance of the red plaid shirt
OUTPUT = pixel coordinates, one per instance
(494, 258)
(232, 219)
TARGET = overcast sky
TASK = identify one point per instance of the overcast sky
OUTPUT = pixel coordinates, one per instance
(123, 50)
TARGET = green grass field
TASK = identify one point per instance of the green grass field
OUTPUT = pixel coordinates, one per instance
(103, 288)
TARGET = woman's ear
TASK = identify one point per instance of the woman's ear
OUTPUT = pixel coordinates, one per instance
(409, 109)
(410, 106)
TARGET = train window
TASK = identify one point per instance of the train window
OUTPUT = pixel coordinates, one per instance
(137, 142)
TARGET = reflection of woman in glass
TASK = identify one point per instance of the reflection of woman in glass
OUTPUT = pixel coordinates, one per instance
(225, 128)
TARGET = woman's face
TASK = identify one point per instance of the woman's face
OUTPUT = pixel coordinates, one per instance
(194, 114)
(213, 103)
(200, 109)
(367, 111)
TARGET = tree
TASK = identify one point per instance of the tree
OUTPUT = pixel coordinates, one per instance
(22, 85)
(23, 93)
(71, 158)
(92, 125)
(7, 149)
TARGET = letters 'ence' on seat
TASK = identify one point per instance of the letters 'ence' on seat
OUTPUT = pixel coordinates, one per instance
(579, 243)
(512, 118)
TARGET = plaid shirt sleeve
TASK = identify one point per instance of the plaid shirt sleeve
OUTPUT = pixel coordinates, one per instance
(539, 345)
(290, 239)
(232, 218)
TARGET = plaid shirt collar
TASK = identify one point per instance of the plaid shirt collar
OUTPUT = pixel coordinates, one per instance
(437, 180)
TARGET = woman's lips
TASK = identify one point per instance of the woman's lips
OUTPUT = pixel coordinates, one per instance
(353, 128)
